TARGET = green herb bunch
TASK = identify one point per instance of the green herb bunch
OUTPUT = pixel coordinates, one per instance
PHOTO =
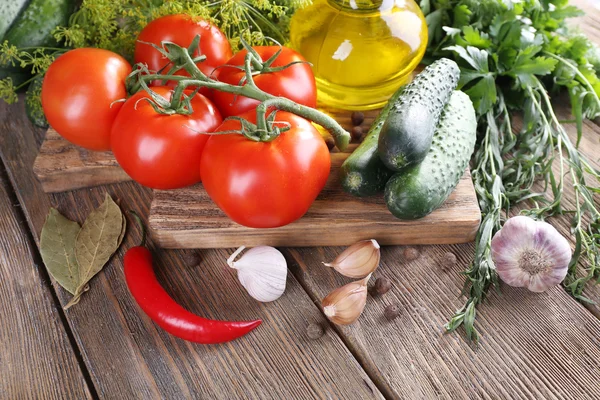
(515, 57)
(115, 24)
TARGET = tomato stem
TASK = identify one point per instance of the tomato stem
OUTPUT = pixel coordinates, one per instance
(182, 59)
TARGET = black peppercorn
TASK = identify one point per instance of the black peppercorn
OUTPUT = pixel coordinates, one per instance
(411, 253)
(315, 331)
(391, 312)
(356, 133)
(448, 261)
(382, 286)
(357, 118)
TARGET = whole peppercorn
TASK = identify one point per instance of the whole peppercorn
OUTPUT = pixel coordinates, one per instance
(382, 286)
(357, 118)
(356, 133)
(330, 142)
(315, 331)
(411, 253)
(448, 261)
(391, 312)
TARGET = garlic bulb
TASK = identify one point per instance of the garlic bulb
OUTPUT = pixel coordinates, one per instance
(262, 271)
(358, 260)
(344, 305)
(530, 254)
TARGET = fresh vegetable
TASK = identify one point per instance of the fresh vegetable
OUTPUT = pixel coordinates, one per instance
(182, 30)
(531, 254)
(421, 189)
(279, 71)
(363, 173)
(515, 58)
(344, 305)
(166, 313)
(263, 130)
(265, 184)
(163, 151)
(80, 93)
(9, 11)
(34, 26)
(358, 260)
(33, 107)
(406, 135)
(262, 271)
(74, 255)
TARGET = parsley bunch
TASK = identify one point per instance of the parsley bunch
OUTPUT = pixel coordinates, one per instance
(515, 57)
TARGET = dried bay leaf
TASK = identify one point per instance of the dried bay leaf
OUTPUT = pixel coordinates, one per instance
(57, 247)
(97, 241)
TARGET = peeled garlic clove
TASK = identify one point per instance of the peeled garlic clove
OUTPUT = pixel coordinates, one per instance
(358, 260)
(530, 254)
(262, 271)
(344, 305)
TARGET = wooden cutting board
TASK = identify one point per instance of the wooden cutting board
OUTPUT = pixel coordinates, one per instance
(187, 218)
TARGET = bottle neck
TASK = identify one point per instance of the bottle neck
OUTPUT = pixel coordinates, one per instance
(362, 5)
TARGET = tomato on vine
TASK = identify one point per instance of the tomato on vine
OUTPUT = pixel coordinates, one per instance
(79, 95)
(295, 82)
(162, 151)
(181, 29)
(265, 184)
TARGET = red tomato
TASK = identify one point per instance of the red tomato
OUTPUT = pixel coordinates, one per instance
(162, 151)
(265, 184)
(296, 82)
(78, 95)
(181, 29)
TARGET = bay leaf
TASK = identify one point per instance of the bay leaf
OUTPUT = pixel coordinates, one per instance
(97, 241)
(57, 247)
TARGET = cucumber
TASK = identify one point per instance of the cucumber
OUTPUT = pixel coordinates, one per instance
(363, 173)
(421, 189)
(406, 136)
(33, 28)
(9, 11)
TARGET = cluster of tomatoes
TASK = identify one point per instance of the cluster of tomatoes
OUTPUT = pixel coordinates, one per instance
(257, 184)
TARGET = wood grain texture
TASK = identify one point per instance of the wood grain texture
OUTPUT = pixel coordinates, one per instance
(128, 356)
(532, 347)
(36, 356)
(188, 218)
(61, 166)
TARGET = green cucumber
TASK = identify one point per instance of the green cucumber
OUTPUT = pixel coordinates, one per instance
(33, 28)
(421, 189)
(9, 11)
(406, 136)
(363, 173)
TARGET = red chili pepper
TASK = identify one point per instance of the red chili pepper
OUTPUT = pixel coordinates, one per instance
(169, 315)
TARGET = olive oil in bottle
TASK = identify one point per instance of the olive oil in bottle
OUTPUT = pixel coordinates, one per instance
(362, 51)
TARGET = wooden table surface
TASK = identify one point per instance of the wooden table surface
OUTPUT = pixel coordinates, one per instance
(532, 346)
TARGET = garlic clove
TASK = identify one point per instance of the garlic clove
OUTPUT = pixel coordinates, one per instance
(262, 271)
(531, 254)
(358, 260)
(344, 305)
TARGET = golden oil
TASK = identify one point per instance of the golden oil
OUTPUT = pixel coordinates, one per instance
(362, 51)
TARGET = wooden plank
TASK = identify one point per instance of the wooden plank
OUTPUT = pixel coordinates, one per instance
(130, 357)
(188, 218)
(62, 166)
(36, 356)
(590, 22)
(532, 346)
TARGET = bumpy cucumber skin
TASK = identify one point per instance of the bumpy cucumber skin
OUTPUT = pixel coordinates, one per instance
(421, 189)
(33, 28)
(406, 136)
(9, 11)
(363, 174)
